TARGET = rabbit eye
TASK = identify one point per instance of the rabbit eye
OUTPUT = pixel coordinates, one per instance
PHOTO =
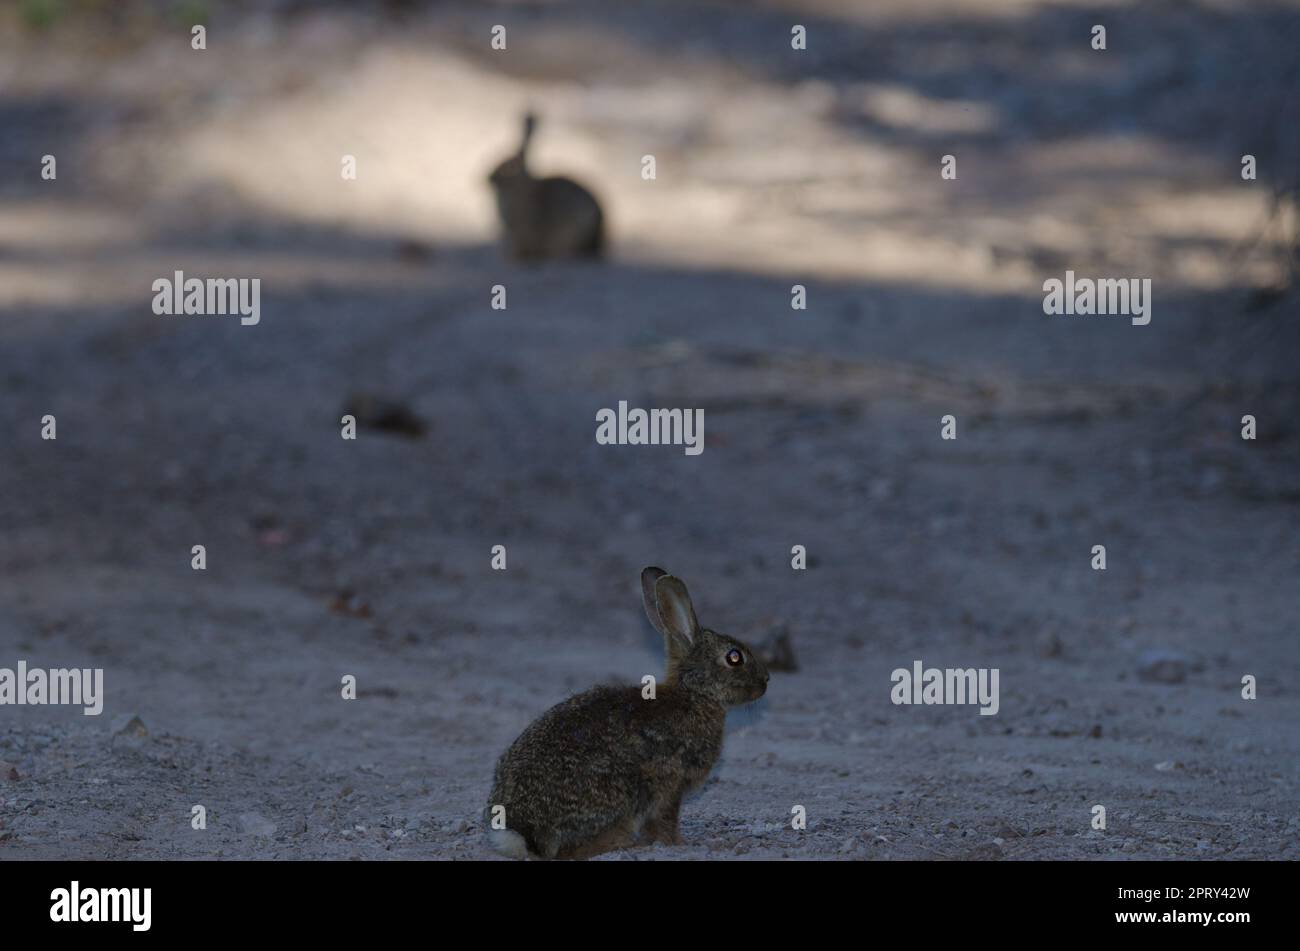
(735, 658)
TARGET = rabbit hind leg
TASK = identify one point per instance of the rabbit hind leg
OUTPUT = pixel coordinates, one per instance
(662, 827)
(622, 834)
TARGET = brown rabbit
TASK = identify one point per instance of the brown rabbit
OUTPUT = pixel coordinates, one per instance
(607, 769)
(545, 217)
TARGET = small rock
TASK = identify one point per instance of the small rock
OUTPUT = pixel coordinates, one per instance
(273, 538)
(385, 415)
(129, 725)
(253, 824)
(1051, 645)
(349, 604)
(777, 653)
(9, 772)
(1165, 665)
(1168, 765)
(414, 250)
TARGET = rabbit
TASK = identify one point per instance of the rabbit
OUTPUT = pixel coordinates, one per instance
(545, 217)
(607, 769)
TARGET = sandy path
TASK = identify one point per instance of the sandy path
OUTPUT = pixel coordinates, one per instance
(822, 429)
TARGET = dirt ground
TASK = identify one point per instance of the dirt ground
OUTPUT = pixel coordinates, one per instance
(371, 557)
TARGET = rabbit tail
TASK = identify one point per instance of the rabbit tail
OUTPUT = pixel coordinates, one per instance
(508, 842)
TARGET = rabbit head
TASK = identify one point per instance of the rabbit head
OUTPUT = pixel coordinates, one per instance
(513, 172)
(702, 661)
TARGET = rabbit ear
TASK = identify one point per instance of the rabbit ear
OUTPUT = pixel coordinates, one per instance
(530, 126)
(648, 578)
(675, 610)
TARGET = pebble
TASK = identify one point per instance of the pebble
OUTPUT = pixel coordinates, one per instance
(129, 725)
(254, 824)
(1165, 665)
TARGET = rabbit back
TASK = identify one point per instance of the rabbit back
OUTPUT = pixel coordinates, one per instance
(551, 218)
(573, 216)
